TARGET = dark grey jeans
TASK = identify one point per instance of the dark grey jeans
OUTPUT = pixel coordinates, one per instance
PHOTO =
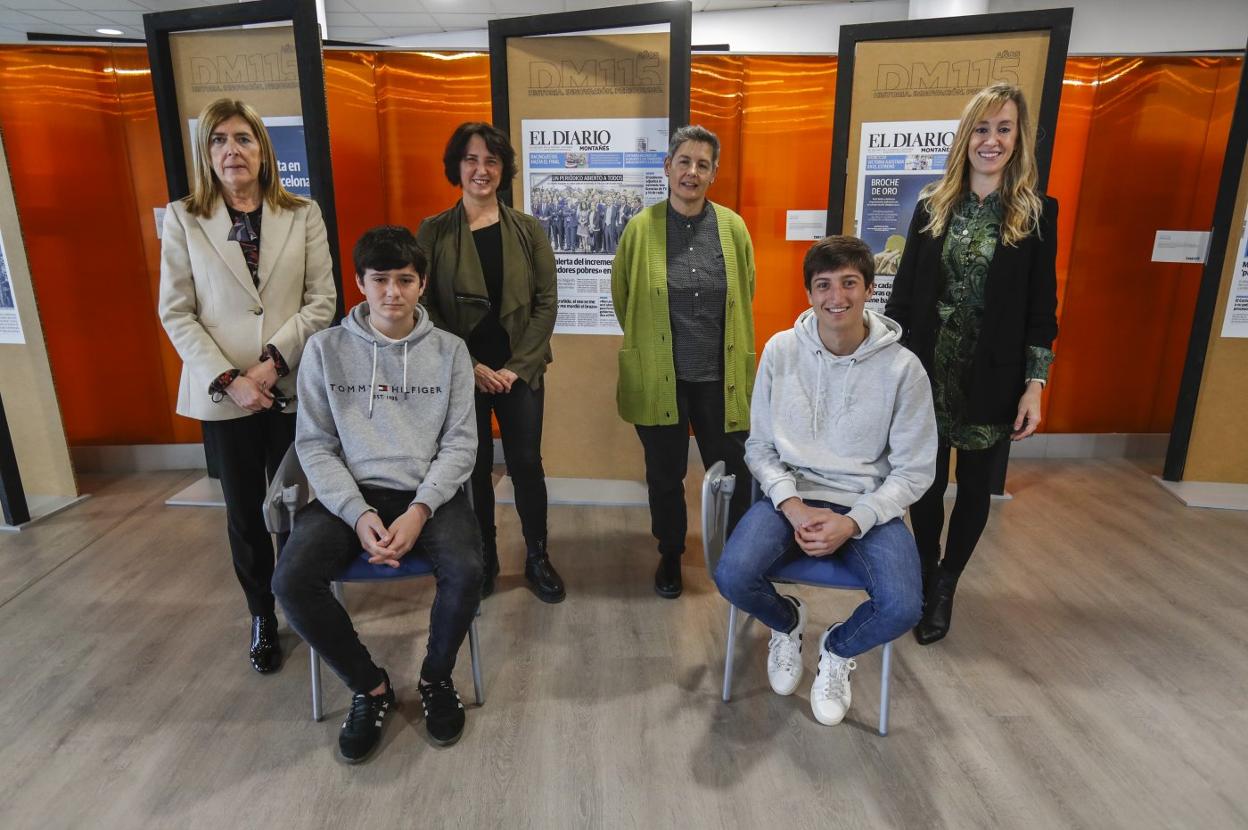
(321, 545)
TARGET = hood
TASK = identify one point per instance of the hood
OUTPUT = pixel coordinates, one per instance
(881, 332)
(357, 323)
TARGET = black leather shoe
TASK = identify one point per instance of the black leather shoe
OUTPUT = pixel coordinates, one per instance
(937, 611)
(667, 582)
(543, 579)
(266, 649)
(491, 569)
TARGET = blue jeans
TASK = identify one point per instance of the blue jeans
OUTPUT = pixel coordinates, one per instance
(885, 558)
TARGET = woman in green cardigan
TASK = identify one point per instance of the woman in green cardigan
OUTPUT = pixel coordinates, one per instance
(492, 282)
(683, 287)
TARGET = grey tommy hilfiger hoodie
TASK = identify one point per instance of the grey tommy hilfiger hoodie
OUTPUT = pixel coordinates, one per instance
(856, 430)
(398, 416)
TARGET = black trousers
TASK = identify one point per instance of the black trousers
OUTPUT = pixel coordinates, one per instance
(519, 415)
(246, 452)
(321, 545)
(970, 510)
(700, 405)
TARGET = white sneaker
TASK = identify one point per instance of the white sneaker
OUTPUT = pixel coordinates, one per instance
(784, 654)
(829, 695)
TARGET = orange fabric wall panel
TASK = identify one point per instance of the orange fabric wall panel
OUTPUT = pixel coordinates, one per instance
(421, 98)
(786, 155)
(355, 147)
(65, 132)
(1151, 147)
(715, 100)
(1074, 121)
(134, 85)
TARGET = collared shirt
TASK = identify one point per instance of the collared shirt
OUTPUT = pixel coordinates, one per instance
(697, 288)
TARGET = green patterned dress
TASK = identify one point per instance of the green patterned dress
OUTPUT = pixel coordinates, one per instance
(970, 243)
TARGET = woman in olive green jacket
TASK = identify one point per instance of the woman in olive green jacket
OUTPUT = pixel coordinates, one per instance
(492, 282)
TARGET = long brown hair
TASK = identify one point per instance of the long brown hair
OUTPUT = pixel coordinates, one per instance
(206, 188)
(1020, 199)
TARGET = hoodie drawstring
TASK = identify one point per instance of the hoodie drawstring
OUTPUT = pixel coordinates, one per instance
(372, 381)
(818, 407)
(406, 394)
(846, 398)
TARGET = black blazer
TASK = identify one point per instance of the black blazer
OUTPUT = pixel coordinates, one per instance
(1020, 310)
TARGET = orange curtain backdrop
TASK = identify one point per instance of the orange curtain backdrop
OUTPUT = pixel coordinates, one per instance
(1139, 147)
(1151, 160)
(73, 121)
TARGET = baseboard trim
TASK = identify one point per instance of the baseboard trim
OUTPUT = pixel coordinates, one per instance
(141, 458)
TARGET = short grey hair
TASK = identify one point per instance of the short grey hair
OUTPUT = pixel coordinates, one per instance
(694, 132)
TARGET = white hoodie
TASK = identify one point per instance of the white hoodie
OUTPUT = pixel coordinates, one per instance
(856, 430)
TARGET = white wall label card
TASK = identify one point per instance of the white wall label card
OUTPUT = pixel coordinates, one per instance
(1235, 322)
(805, 225)
(1181, 246)
(10, 320)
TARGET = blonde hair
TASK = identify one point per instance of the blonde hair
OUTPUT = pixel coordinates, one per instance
(206, 187)
(1020, 200)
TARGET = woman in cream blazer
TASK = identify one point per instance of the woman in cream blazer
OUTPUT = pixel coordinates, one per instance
(245, 280)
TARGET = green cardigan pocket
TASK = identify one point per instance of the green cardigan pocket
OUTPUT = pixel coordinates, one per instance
(630, 370)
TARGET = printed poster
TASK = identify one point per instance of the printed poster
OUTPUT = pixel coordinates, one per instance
(286, 133)
(1235, 321)
(585, 179)
(10, 322)
(897, 160)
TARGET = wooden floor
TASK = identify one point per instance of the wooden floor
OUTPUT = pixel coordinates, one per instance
(1096, 676)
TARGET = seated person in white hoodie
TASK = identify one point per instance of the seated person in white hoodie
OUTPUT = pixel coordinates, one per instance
(842, 441)
(387, 435)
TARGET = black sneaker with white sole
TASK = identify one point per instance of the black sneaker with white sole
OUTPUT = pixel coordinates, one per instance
(361, 731)
(444, 713)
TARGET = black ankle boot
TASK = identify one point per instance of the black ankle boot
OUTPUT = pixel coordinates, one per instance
(490, 554)
(542, 576)
(266, 649)
(938, 610)
(667, 581)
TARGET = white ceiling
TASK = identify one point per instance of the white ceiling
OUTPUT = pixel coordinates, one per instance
(354, 20)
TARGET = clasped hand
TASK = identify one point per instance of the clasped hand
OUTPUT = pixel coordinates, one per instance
(251, 389)
(387, 545)
(818, 531)
(492, 380)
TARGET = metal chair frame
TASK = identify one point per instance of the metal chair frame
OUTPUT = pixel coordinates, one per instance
(717, 490)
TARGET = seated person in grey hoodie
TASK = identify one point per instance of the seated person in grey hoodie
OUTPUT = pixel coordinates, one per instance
(842, 441)
(387, 435)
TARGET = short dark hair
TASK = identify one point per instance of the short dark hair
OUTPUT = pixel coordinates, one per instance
(387, 247)
(495, 141)
(694, 132)
(835, 252)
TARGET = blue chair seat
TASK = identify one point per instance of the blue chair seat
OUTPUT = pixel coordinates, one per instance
(821, 572)
(361, 571)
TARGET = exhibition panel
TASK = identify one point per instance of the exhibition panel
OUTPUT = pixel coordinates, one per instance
(1138, 148)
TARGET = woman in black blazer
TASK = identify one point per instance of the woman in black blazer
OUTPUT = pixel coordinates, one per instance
(976, 296)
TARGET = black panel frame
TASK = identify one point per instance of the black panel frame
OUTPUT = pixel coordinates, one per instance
(678, 15)
(310, 64)
(1220, 247)
(1057, 21)
(12, 495)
